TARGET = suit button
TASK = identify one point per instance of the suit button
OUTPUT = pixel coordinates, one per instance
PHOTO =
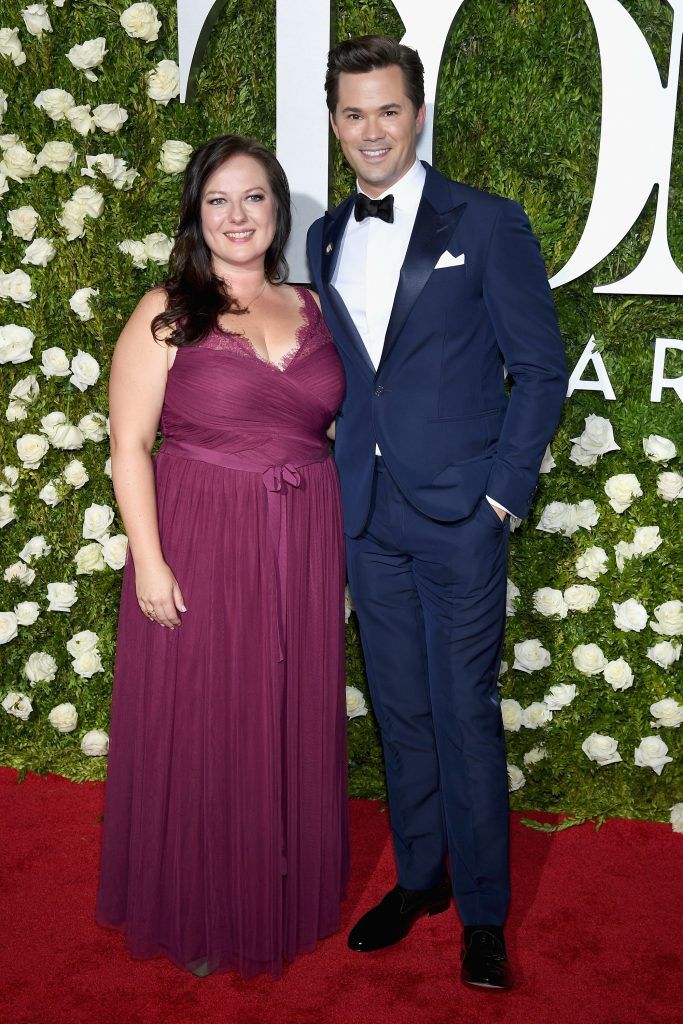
(379, 390)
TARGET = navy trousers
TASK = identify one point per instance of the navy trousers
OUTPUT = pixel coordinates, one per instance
(430, 599)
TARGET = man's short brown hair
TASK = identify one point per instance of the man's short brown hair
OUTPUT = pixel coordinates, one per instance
(369, 53)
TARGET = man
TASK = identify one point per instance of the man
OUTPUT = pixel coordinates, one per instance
(428, 288)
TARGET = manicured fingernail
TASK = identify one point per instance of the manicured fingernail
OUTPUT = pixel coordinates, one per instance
(183, 608)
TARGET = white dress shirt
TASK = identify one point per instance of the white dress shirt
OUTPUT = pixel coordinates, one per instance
(369, 264)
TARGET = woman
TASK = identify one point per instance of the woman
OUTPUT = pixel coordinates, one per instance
(225, 827)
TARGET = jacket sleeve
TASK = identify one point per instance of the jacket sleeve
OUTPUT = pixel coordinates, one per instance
(313, 244)
(520, 304)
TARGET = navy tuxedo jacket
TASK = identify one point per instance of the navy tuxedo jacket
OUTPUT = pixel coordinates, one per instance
(437, 403)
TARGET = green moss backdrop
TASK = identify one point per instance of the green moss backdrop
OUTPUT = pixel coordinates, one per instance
(518, 113)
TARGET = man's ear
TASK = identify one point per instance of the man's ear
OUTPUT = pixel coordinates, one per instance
(421, 118)
(333, 125)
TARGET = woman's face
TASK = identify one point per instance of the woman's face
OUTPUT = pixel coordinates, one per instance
(239, 215)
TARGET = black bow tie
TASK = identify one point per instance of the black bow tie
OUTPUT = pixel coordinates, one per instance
(382, 208)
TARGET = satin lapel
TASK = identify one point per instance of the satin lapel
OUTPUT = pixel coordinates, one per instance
(432, 233)
(333, 230)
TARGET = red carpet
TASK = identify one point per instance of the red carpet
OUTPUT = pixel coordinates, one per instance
(595, 934)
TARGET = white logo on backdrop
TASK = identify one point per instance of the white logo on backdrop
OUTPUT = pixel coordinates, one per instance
(636, 143)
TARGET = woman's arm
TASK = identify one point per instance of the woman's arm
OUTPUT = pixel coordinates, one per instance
(136, 394)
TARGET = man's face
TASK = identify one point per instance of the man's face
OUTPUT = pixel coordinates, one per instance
(377, 127)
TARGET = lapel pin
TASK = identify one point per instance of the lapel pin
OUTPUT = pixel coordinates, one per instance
(329, 248)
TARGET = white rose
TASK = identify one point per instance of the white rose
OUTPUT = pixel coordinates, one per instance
(31, 448)
(36, 19)
(669, 618)
(63, 717)
(96, 521)
(621, 490)
(15, 411)
(55, 362)
(16, 344)
(17, 287)
(113, 168)
(550, 602)
(61, 596)
(3, 104)
(141, 21)
(534, 755)
(511, 710)
(18, 163)
(658, 448)
(7, 510)
(581, 597)
(623, 551)
(107, 471)
(85, 370)
(589, 659)
(618, 674)
(75, 474)
(8, 627)
(11, 47)
(114, 550)
(86, 665)
(163, 83)
(72, 219)
(23, 220)
(8, 140)
(512, 593)
(531, 656)
(580, 457)
(592, 563)
(18, 705)
(36, 547)
(82, 643)
(80, 119)
(95, 743)
(670, 486)
(27, 612)
(89, 559)
(9, 477)
(559, 696)
(348, 600)
(548, 461)
(109, 117)
(554, 518)
(630, 616)
(652, 753)
(79, 302)
(88, 55)
(597, 436)
(676, 818)
(49, 494)
(174, 156)
(536, 715)
(56, 156)
(587, 514)
(19, 573)
(664, 653)
(601, 749)
(646, 539)
(60, 432)
(158, 247)
(40, 668)
(502, 671)
(88, 201)
(39, 253)
(515, 778)
(93, 426)
(355, 703)
(136, 250)
(668, 713)
(56, 103)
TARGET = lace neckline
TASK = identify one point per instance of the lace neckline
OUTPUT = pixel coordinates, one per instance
(281, 364)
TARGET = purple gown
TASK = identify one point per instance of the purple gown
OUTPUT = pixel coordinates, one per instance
(225, 841)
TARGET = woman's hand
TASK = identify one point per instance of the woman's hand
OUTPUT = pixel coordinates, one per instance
(159, 595)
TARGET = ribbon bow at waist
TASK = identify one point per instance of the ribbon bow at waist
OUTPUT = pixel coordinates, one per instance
(277, 480)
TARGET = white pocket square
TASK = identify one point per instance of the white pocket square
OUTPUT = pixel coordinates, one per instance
(447, 259)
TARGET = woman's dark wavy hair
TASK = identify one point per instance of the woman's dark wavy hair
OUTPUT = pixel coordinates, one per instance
(196, 297)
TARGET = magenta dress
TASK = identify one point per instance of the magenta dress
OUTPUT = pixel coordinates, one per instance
(225, 841)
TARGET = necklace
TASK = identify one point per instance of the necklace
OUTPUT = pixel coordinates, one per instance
(248, 305)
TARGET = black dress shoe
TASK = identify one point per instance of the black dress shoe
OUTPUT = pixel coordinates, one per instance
(391, 920)
(484, 958)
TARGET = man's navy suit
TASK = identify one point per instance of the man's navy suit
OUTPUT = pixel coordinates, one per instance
(427, 554)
